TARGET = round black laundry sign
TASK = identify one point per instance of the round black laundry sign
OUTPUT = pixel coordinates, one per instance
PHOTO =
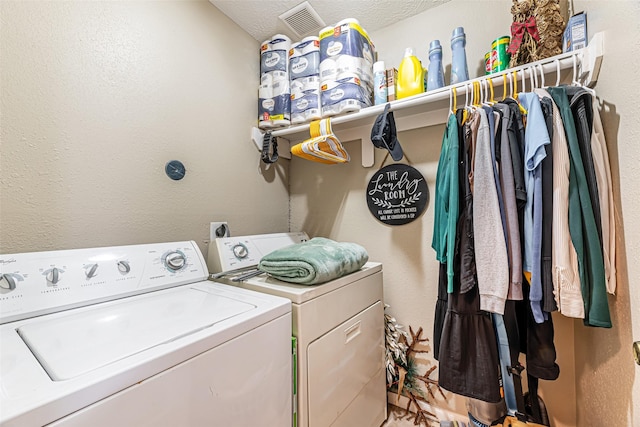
(397, 194)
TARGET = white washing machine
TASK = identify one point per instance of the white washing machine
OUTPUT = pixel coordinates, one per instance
(339, 327)
(136, 336)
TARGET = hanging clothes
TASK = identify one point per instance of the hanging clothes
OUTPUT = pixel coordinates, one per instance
(493, 272)
(582, 225)
(468, 356)
(607, 207)
(507, 185)
(525, 183)
(564, 260)
(536, 138)
(581, 108)
(447, 211)
(447, 195)
(548, 300)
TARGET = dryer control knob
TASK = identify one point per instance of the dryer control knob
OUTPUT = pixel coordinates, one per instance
(7, 281)
(124, 267)
(175, 260)
(53, 276)
(240, 251)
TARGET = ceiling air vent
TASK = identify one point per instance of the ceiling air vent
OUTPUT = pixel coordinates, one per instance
(303, 20)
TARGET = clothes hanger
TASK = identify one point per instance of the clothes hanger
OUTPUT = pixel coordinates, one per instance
(515, 92)
(504, 87)
(542, 85)
(465, 111)
(557, 61)
(492, 100)
(533, 78)
(452, 102)
(477, 94)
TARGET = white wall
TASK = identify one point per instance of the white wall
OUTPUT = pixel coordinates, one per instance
(598, 380)
(97, 96)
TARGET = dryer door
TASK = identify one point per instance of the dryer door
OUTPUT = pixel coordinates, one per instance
(346, 372)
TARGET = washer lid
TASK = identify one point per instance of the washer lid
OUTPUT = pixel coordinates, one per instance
(85, 340)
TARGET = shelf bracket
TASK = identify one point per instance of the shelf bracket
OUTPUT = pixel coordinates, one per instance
(362, 133)
(592, 57)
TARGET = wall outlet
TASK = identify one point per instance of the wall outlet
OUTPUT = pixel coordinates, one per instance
(219, 229)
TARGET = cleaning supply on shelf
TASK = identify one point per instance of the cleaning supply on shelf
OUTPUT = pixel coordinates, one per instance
(435, 73)
(346, 68)
(274, 93)
(392, 79)
(379, 83)
(499, 55)
(459, 71)
(410, 76)
(487, 63)
(304, 72)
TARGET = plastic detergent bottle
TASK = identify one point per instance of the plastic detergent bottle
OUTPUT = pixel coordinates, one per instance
(410, 76)
(379, 83)
(435, 74)
(459, 71)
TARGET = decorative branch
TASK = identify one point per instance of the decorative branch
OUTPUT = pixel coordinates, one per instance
(402, 370)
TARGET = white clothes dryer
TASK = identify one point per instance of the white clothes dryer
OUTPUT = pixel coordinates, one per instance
(338, 325)
(136, 336)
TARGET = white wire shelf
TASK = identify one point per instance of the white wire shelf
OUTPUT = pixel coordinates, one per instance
(432, 108)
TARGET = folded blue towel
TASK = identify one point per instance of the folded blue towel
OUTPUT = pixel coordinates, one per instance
(315, 261)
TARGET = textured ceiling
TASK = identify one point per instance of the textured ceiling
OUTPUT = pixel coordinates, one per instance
(259, 18)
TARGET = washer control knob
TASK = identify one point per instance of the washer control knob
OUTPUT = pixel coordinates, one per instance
(7, 281)
(240, 251)
(91, 271)
(175, 260)
(124, 267)
(53, 276)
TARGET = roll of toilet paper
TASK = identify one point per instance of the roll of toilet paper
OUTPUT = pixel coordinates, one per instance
(328, 69)
(347, 37)
(274, 111)
(305, 106)
(304, 58)
(342, 96)
(274, 54)
(274, 92)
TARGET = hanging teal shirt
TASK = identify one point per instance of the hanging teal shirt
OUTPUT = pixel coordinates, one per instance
(582, 225)
(447, 204)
